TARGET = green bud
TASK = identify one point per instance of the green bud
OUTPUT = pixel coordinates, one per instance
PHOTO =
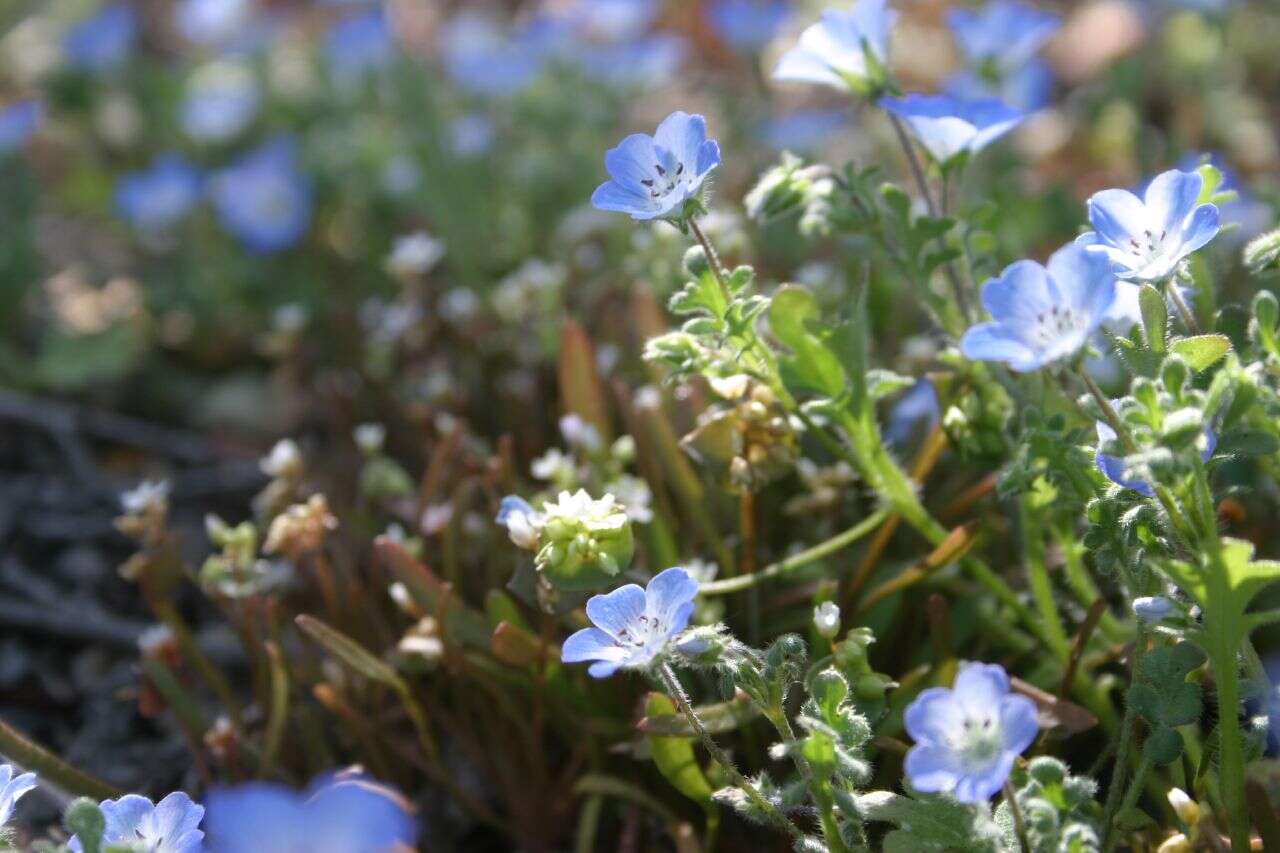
(85, 820)
(1263, 253)
(696, 264)
(586, 543)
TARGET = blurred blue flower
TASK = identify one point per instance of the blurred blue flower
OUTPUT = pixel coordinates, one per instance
(471, 135)
(747, 24)
(1113, 467)
(652, 176)
(648, 61)
(1145, 239)
(17, 122)
(1042, 313)
(633, 625)
(1249, 215)
(950, 128)
(611, 20)
(968, 737)
(1026, 87)
(523, 522)
(346, 813)
(917, 408)
(1153, 608)
(12, 786)
(222, 99)
(102, 41)
(803, 130)
(845, 49)
(486, 59)
(360, 43)
(155, 198)
(169, 826)
(1001, 36)
(263, 199)
(212, 22)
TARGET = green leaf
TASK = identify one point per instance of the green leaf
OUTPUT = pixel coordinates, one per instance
(675, 759)
(1163, 746)
(1201, 351)
(348, 651)
(1248, 442)
(1263, 253)
(716, 718)
(1155, 317)
(811, 364)
(933, 823)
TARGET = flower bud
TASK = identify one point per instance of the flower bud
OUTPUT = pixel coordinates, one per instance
(584, 543)
(1175, 844)
(695, 262)
(1263, 253)
(826, 619)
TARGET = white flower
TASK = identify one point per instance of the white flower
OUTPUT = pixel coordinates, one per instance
(554, 465)
(369, 437)
(414, 254)
(149, 494)
(635, 496)
(523, 523)
(579, 433)
(579, 507)
(826, 618)
(284, 460)
(12, 787)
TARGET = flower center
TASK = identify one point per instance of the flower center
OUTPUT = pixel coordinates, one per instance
(1148, 248)
(1055, 323)
(638, 635)
(668, 175)
(979, 740)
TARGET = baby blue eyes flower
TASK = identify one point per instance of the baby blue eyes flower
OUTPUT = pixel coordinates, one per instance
(348, 813)
(1002, 35)
(1113, 467)
(1026, 87)
(102, 41)
(1042, 313)
(1153, 608)
(653, 176)
(263, 199)
(633, 625)
(1145, 239)
(156, 198)
(359, 43)
(12, 786)
(952, 128)
(485, 59)
(846, 49)
(17, 122)
(523, 522)
(746, 24)
(968, 737)
(169, 826)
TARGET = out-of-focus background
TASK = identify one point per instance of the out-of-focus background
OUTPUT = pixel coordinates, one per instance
(227, 221)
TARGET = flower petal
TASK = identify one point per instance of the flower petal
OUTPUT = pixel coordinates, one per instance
(618, 610)
(1118, 216)
(589, 644)
(1201, 227)
(668, 591)
(632, 161)
(1170, 198)
(981, 785)
(980, 686)
(1018, 723)
(804, 66)
(682, 134)
(612, 195)
(931, 769)
(933, 716)
(995, 342)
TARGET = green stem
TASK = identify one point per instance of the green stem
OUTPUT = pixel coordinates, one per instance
(1221, 644)
(1019, 825)
(1131, 796)
(797, 561)
(1038, 580)
(29, 755)
(1184, 310)
(819, 789)
(1127, 726)
(767, 809)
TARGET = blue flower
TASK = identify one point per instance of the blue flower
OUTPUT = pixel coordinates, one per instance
(212, 22)
(1145, 239)
(651, 60)
(169, 826)
(633, 625)
(17, 122)
(221, 100)
(359, 43)
(951, 128)
(523, 522)
(846, 50)
(156, 198)
(802, 130)
(102, 41)
(1042, 313)
(1249, 216)
(652, 176)
(1153, 608)
(1113, 467)
(346, 813)
(12, 787)
(746, 24)
(612, 20)
(968, 737)
(263, 199)
(485, 59)
(1026, 87)
(1003, 35)
(917, 407)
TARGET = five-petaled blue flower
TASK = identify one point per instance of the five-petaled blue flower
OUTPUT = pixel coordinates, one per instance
(746, 24)
(653, 176)
(12, 787)
(845, 49)
(341, 813)
(633, 625)
(263, 198)
(1042, 313)
(1113, 467)
(103, 40)
(169, 826)
(1002, 36)
(1153, 608)
(950, 128)
(1146, 238)
(156, 198)
(17, 122)
(968, 737)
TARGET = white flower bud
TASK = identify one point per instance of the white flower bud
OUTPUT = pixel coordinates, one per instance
(826, 618)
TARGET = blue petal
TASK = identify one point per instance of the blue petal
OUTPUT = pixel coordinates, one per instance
(512, 504)
(1170, 198)
(1118, 216)
(708, 157)
(1020, 294)
(1200, 229)
(618, 610)
(994, 342)
(1018, 723)
(587, 644)
(604, 668)
(1210, 445)
(979, 786)
(1083, 279)
(668, 591)
(1112, 467)
(632, 161)
(931, 769)
(980, 686)
(682, 134)
(933, 716)
(612, 195)
(803, 66)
